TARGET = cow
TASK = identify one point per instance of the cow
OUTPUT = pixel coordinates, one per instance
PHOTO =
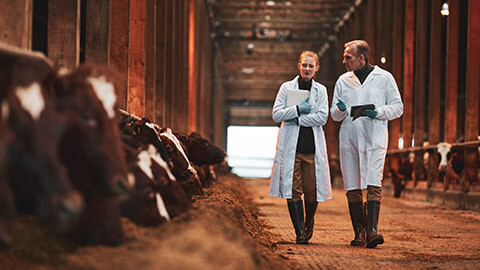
(182, 168)
(452, 165)
(199, 150)
(36, 177)
(402, 174)
(144, 206)
(8, 211)
(202, 154)
(91, 150)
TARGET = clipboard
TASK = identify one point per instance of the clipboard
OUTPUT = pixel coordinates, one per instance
(356, 111)
(295, 96)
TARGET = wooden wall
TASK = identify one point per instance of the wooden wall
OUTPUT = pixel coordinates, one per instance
(162, 51)
(433, 61)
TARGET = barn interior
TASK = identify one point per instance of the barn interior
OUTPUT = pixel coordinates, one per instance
(206, 66)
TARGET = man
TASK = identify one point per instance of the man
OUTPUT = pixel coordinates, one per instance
(301, 163)
(364, 140)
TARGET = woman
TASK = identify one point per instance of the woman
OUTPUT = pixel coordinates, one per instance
(301, 164)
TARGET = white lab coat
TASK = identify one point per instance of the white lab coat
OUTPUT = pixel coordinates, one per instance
(282, 171)
(363, 142)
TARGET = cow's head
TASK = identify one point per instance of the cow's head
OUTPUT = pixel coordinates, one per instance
(182, 168)
(145, 205)
(443, 149)
(91, 145)
(200, 150)
(37, 178)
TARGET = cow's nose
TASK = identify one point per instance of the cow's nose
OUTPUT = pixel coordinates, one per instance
(442, 167)
(70, 207)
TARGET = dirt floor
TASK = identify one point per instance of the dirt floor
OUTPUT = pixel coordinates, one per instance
(236, 225)
(418, 235)
(223, 231)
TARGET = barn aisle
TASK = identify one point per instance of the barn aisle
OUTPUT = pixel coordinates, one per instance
(417, 235)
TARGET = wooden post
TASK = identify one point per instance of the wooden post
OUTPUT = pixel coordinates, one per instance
(97, 26)
(435, 87)
(169, 62)
(452, 72)
(150, 31)
(397, 63)
(64, 32)
(136, 66)
(119, 40)
(472, 92)
(160, 65)
(192, 67)
(408, 64)
(16, 22)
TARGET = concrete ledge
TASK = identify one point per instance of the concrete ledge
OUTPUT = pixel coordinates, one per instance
(451, 198)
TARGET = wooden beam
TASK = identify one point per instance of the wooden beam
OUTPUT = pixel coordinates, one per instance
(136, 66)
(435, 75)
(435, 82)
(160, 65)
(119, 40)
(150, 39)
(472, 92)
(97, 27)
(408, 69)
(64, 33)
(169, 63)
(192, 64)
(16, 22)
(397, 64)
(452, 72)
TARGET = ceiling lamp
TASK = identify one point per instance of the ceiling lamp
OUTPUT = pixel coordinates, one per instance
(444, 11)
(270, 3)
(248, 70)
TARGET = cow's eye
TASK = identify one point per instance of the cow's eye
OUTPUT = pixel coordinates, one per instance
(89, 120)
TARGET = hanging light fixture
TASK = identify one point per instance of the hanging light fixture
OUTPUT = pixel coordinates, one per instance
(444, 11)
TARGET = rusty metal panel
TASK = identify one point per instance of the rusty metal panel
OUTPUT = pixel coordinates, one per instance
(136, 65)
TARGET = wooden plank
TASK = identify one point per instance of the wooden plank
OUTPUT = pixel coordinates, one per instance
(169, 63)
(192, 67)
(408, 69)
(451, 82)
(397, 64)
(97, 27)
(150, 31)
(435, 82)
(435, 74)
(472, 91)
(64, 32)
(136, 66)
(119, 40)
(160, 65)
(16, 21)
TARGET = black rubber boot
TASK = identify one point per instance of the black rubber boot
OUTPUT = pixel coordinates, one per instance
(357, 215)
(373, 238)
(310, 209)
(295, 209)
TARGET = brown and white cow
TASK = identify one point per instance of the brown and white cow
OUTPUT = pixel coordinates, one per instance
(36, 177)
(91, 150)
(182, 168)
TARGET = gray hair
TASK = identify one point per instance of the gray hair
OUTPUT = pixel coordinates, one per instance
(361, 47)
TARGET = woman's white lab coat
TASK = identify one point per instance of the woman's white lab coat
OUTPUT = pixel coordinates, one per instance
(282, 171)
(364, 141)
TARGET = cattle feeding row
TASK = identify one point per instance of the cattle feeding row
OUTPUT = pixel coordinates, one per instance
(65, 160)
(447, 167)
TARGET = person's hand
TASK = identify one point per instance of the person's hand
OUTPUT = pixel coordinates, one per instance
(370, 113)
(341, 105)
(305, 107)
(291, 122)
